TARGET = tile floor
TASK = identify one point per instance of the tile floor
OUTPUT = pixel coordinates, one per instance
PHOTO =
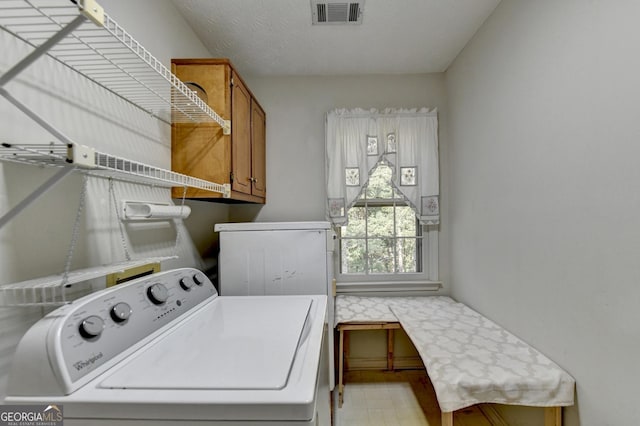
(400, 398)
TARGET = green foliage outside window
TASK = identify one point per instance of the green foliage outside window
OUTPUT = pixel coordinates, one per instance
(382, 233)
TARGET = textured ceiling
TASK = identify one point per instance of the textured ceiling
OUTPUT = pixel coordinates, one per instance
(275, 37)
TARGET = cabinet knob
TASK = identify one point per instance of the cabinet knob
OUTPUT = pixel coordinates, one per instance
(252, 179)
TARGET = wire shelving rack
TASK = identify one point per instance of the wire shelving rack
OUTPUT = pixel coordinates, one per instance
(83, 37)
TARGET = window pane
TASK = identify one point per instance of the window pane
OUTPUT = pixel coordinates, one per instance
(380, 237)
(356, 225)
(380, 221)
(407, 255)
(353, 253)
(381, 255)
(405, 222)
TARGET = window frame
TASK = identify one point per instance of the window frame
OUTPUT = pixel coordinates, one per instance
(427, 247)
(427, 280)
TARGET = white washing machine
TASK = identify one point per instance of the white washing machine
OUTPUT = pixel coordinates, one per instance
(166, 349)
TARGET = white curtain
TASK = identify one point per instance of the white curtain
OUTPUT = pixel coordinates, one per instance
(407, 139)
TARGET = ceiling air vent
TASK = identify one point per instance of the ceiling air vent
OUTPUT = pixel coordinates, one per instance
(336, 12)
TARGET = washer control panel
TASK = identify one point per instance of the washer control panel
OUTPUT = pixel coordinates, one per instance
(98, 327)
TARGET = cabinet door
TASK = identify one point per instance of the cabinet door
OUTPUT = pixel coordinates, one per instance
(240, 136)
(258, 150)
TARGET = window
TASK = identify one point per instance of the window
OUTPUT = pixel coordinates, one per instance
(383, 198)
(383, 235)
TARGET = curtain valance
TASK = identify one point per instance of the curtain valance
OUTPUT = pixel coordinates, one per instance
(406, 139)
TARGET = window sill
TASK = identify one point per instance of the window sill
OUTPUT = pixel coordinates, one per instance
(388, 288)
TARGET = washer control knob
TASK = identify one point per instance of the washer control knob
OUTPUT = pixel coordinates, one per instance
(199, 278)
(120, 312)
(158, 294)
(186, 283)
(91, 327)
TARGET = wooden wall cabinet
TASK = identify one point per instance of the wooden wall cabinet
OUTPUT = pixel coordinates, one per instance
(202, 150)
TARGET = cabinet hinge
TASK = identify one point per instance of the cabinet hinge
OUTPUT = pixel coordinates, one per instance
(231, 84)
(231, 177)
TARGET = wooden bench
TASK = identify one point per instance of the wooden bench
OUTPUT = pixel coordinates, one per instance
(449, 337)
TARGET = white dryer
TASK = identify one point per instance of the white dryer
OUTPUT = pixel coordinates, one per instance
(278, 258)
(166, 349)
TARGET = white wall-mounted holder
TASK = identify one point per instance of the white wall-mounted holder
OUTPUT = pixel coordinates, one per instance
(141, 210)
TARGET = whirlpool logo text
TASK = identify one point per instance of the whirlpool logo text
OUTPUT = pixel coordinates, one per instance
(88, 362)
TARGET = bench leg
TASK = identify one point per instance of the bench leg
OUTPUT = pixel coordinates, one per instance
(447, 419)
(341, 369)
(553, 416)
(390, 349)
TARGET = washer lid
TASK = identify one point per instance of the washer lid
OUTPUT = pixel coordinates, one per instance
(233, 343)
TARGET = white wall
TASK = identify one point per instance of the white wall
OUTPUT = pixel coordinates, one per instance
(544, 190)
(36, 242)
